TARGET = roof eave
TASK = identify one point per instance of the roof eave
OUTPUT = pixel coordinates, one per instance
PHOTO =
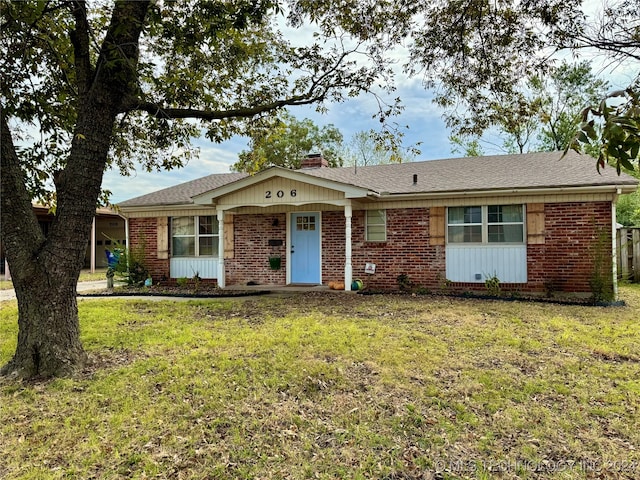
(611, 188)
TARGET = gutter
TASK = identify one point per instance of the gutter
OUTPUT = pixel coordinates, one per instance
(619, 189)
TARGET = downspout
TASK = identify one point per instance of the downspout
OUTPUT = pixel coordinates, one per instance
(614, 243)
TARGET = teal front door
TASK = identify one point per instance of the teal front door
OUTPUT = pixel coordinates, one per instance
(305, 248)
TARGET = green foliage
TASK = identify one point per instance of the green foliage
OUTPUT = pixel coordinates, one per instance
(617, 117)
(378, 148)
(544, 115)
(130, 267)
(480, 62)
(404, 282)
(628, 205)
(219, 68)
(628, 209)
(286, 141)
(492, 284)
(563, 94)
(466, 146)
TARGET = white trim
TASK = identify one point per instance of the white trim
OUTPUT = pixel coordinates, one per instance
(221, 271)
(614, 245)
(348, 268)
(196, 235)
(159, 209)
(473, 195)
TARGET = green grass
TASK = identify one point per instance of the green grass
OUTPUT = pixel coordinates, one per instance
(334, 386)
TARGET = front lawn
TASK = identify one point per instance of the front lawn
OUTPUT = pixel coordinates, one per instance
(333, 386)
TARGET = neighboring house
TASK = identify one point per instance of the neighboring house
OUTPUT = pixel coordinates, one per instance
(535, 221)
(107, 227)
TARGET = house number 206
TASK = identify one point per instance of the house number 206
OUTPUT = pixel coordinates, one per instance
(280, 193)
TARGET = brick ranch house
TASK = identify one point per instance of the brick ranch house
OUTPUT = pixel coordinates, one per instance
(535, 221)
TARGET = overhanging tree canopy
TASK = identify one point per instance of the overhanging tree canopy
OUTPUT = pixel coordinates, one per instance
(92, 85)
(88, 86)
(474, 52)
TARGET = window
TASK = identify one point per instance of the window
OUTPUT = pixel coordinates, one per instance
(376, 225)
(486, 224)
(465, 224)
(505, 224)
(189, 241)
(306, 223)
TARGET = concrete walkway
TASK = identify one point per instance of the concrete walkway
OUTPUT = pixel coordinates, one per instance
(81, 287)
(276, 290)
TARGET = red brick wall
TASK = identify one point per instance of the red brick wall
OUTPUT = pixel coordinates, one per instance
(406, 251)
(566, 261)
(252, 251)
(143, 239)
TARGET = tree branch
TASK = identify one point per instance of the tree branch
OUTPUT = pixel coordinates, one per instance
(159, 111)
(80, 41)
(19, 227)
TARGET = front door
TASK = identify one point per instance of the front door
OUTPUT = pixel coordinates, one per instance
(305, 248)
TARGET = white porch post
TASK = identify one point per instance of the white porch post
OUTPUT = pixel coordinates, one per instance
(614, 244)
(92, 262)
(220, 279)
(348, 271)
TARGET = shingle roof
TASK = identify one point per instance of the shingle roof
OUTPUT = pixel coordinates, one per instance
(494, 172)
(181, 194)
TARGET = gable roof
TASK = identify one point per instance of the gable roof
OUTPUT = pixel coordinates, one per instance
(350, 190)
(493, 172)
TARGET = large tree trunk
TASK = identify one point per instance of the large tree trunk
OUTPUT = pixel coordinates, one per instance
(48, 330)
(45, 270)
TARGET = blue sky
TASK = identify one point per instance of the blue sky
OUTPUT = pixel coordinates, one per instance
(420, 115)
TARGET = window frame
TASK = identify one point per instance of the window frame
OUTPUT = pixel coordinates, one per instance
(485, 224)
(367, 224)
(196, 235)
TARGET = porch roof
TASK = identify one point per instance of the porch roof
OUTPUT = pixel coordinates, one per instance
(542, 170)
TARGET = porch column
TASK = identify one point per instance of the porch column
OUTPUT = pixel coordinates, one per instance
(221, 248)
(348, 271)
(614, 244)
(92, 262)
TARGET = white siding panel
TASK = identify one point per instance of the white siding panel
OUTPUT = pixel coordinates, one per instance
(507, 262)
(189, 266)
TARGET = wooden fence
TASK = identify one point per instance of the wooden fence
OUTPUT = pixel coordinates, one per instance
(628, 250)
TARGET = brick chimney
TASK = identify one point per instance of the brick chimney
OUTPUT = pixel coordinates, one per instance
(314, 160)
